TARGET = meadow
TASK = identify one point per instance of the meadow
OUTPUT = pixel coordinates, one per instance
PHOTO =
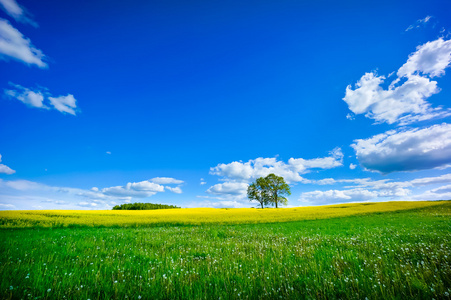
(353, 251)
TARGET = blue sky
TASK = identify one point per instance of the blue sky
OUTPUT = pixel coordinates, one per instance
(107, 102)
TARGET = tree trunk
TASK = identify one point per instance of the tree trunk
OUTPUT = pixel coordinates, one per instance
(262, 204)
(275, 200)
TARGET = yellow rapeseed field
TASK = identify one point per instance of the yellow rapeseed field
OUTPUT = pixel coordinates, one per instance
(194, 216)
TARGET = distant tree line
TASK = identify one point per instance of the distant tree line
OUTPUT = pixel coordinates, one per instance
(142, 206)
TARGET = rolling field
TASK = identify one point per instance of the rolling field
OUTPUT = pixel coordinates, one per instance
(193, 216)
(396, 250)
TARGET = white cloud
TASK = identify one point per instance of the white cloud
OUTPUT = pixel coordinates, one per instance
(419, 23)
(386, 183)
(441, 193)
(144, 188)
(430, 59)
(166, 180)
(337, 196)
(443, 189)
(406, 150)
(23, 185)
(87, 204)
(260, 167)
(108, 152)
(365, 189)
(58, 202)
(238, 175)
(351, 195)
(27, 96)
(13, 9)
(404, 101)
(304, 165)
(255, 168)
(352, 166)
(24, 193)
(229, 188)
(432, 180)
(64, 104)
(140, 189)
(37, 97)
(219, 203)
(5, 206)
(176, 190)
(5, 169)
(325, 181)
(13, 45)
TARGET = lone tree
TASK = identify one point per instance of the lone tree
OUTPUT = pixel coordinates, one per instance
(269, 190)
(257, 192)
(277, 188)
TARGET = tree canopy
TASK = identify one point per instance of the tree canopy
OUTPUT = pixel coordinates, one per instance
(269, 190)
(142, 206)
(257, 192)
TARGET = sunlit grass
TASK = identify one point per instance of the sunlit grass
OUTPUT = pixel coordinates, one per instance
(392, 255)
(195, 216)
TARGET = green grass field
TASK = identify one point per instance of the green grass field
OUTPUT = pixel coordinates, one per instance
(389, 255)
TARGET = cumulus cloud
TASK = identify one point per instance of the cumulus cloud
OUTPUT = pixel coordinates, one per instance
(441, 193)
(17, 12)
(26, 193)
(140, 189)
(443, 189)
(166, 180)
(229, 188)
(337, 196)
(13, 45)
(237, 175)
(5, 169)
(305, 165)
(386, 183)
(432, 180)
(365, 189)
(351, 195)
(176, 190)
(419, 23)
(430, 59)
(406, 150)
(404, 101)
(260, 167)
(41, 98)
(255, 168)
(27, 96)
(64, 104)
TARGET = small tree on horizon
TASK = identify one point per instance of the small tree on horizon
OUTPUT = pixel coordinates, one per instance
(269, 190)
(256, 191)
(277, 188)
